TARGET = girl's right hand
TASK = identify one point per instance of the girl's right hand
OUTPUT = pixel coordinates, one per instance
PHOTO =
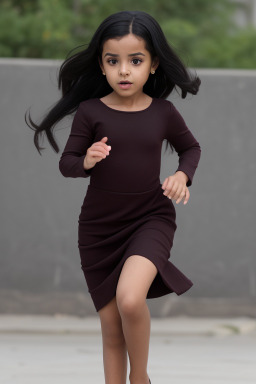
(96, 153)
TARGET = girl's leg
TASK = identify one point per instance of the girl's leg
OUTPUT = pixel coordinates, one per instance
(114, 346)
(134, 282)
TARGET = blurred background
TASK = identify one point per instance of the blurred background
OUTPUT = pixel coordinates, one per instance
(207, 34)
(215, 240)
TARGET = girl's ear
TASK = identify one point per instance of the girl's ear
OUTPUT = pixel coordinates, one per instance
(155, 63)
(100, 64)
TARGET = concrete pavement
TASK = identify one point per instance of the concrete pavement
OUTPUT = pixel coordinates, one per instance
(183, 350)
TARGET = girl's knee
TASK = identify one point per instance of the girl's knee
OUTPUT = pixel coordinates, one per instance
(129, 304)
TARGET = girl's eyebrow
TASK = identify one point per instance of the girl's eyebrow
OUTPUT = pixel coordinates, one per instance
(132, 54)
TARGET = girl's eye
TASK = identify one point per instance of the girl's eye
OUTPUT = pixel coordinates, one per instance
(137, 60)
(114, 60)
(111, 60)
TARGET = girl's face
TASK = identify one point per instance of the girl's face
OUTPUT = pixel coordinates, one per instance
(126, 59)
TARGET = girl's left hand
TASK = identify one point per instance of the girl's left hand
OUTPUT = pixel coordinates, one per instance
(176, 188)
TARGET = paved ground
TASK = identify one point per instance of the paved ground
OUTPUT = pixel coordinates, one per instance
(68, 350)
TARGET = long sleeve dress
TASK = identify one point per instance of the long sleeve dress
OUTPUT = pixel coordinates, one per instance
(124, 211)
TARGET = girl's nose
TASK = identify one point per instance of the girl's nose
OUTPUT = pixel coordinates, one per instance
(124, 71)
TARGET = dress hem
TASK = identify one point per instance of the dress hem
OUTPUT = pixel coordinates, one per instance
(166, 272)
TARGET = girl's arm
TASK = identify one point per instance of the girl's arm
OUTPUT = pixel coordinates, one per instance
(71, 163)
(184, 143)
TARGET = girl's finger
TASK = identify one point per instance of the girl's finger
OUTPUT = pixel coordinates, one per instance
(187, 196)
(173, 191)
(168, 183)
(95, 153)
(105, 148)
(168, 188)
(182, 195)
(164, 183)
(178, 192)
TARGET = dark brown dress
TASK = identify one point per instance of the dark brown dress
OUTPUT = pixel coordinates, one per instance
(124, 211)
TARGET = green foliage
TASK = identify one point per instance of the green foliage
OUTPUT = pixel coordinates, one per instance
(200, 31)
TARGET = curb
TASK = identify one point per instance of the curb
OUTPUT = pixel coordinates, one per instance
(171, 326)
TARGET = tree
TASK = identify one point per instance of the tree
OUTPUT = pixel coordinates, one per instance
(201, 31)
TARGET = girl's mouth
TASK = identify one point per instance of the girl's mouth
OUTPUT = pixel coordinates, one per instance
(125, 85)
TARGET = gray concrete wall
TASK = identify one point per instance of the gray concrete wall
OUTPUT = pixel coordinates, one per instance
(215, 240)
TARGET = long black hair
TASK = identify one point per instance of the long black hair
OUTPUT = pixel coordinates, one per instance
(80, 76)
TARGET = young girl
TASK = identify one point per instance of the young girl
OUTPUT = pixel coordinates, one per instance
(118, 87)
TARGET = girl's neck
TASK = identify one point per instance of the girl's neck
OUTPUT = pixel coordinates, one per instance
(128, 103)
